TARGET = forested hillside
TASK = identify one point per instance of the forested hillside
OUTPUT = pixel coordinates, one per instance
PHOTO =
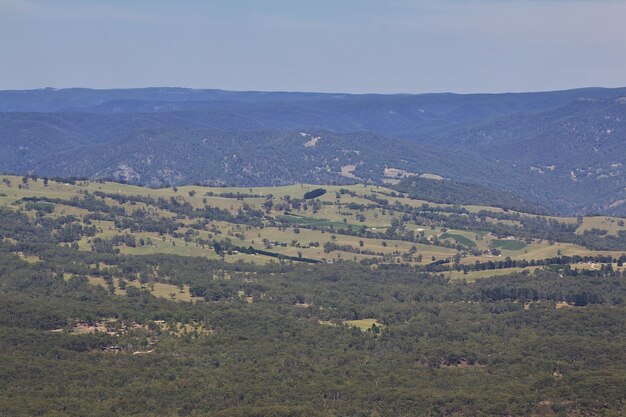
(186, 156)
(564, 149)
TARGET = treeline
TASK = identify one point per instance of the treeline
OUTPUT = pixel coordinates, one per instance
(222, 247)
(605, 262)
(247, 215)
(450, 192)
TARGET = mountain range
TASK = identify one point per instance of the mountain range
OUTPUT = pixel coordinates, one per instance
(565, 150)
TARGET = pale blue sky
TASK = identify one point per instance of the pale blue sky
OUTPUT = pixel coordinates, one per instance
(322, 45)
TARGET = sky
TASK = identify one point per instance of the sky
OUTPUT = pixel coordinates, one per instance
(353, 46)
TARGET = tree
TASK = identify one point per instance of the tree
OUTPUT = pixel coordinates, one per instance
(314, 193)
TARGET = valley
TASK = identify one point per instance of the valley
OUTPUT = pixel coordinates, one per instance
(303, 300)
(385, 208)
(562, 149)
(369, 224)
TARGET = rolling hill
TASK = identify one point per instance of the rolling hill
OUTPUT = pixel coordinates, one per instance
(214, 301)
(562, 149)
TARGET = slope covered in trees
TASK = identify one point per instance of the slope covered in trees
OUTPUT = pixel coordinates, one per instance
(560, 149)
(450, 192)
(86, 333)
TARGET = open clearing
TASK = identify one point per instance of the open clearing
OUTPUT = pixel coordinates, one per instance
(363, 324)
(508, 244)
(158, 289)
(610, 224)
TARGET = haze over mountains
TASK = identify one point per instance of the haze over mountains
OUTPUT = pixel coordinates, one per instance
(563, 149)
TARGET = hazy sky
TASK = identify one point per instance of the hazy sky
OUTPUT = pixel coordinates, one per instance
(314, 45)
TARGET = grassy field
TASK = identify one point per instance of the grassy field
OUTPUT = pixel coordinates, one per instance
(459, 239)
(335, 210)
(363, 324)
(610, 224)
(508, 244)
(310, 221)
(32, 259)
(157, 289)
(474, 275)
